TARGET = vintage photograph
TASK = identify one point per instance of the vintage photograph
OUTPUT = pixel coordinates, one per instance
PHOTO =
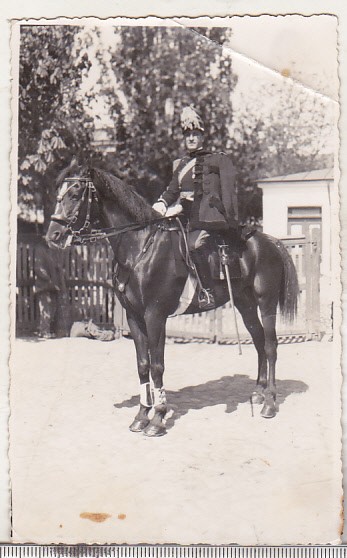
(175, 351)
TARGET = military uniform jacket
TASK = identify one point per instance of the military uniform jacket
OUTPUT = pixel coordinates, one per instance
(208, 181)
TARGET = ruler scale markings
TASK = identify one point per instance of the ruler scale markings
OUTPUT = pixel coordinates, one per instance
(113, 551)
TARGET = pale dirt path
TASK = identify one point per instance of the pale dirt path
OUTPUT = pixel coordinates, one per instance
(219, 476)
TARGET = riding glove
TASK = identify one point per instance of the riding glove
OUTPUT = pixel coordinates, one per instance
(160, 207)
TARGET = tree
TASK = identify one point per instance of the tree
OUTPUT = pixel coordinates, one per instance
(282, 129)
(144, 79)
(53, 124)
(158, 71)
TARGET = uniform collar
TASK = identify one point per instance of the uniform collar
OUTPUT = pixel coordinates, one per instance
(199, 153)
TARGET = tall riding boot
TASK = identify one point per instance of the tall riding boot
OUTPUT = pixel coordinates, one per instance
(236, 245)
(206, 296)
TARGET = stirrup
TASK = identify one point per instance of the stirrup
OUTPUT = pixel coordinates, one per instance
(206, 299)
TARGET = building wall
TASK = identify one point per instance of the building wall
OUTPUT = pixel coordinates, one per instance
(278, 196)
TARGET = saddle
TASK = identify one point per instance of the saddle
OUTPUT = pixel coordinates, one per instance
(183, 261)
(212, 248)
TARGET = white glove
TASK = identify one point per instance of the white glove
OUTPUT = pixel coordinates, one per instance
(159, 207)
(173, 210)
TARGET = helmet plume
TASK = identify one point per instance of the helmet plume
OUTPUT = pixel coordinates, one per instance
(191, 120)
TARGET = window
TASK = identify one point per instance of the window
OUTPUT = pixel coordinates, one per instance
(302, 221)
(304, 213)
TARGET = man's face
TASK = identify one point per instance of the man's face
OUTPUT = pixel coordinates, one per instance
(194, 140)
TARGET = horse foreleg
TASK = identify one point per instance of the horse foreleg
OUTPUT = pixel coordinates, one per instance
(156, 339)
(140, 338)
(269, 323)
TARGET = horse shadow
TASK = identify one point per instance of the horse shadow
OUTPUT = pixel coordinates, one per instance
(230, 391)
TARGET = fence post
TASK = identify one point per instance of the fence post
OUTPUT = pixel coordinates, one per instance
(118, 317)
(315, 268)
(218, 324)
(308, 285)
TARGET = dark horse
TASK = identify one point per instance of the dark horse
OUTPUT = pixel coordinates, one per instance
(149, 286)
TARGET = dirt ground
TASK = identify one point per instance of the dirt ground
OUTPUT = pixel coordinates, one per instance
(219, 476)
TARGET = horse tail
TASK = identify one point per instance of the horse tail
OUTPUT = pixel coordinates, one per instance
(289, 290)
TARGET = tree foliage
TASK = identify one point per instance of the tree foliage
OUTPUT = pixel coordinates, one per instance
(285, 130)
(144, 79)
(52, 120)
(159, 70)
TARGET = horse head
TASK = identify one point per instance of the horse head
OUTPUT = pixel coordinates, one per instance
(116, 202)
(72, 213)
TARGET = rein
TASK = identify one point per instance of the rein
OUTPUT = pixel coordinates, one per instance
(81, 236)
(101, 234)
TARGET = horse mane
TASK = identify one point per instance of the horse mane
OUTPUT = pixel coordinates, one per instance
(112, 188)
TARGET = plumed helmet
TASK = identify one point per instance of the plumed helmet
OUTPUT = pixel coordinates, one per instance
(191, 120)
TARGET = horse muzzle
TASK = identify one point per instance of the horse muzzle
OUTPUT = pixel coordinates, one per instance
(57, 235)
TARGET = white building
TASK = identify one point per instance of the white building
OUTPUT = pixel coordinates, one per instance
(296, 205)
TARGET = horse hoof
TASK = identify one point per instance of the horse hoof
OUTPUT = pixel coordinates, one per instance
(154, 431)
(257, 398)
(268, 411)
(138, 425)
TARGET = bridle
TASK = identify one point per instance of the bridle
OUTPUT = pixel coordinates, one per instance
(89, 194)
(84, 234)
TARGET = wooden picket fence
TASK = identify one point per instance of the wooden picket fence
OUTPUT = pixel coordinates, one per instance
(26, 304)
(218, 325)
(88, 280)
(88, 274)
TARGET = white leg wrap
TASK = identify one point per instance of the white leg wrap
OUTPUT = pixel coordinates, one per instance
(159, 396)
(145, 395)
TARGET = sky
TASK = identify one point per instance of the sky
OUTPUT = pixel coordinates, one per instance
(305, 48)
(282, 49)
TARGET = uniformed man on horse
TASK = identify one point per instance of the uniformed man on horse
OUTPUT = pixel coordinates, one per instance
(204, 184)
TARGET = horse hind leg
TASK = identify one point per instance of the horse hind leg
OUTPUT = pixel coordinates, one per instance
(269, 324)
(141, 419)
(247, 307)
